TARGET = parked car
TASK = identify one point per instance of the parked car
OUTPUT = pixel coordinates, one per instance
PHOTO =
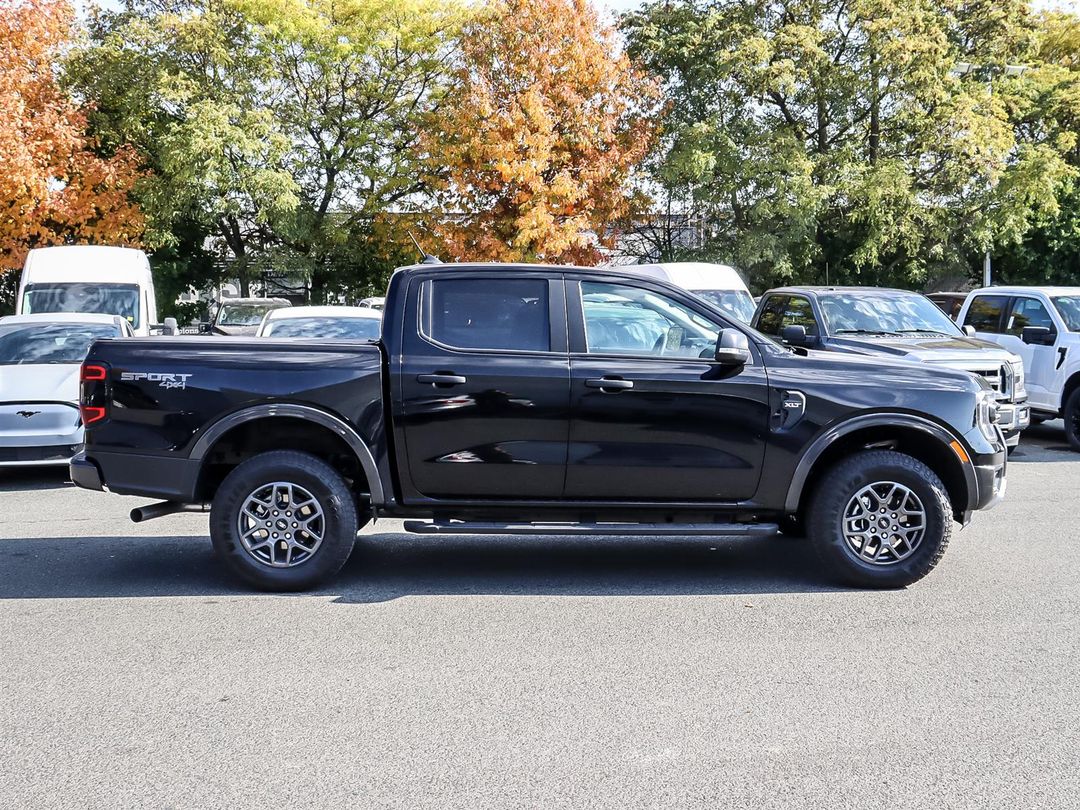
(331, 323)
(896, 324)
(377, 302)
(949, 302)
(40, 356)
(91, 279)
(494, 404)
(719, 284)
(239, 316)
(1042, 325)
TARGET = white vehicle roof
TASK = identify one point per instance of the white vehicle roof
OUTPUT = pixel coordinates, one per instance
(1026, 290)
(62, 317)
(323, 312)
(691, 276)
(92, 264)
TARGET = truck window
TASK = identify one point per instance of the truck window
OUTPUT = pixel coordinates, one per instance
(632, 320)
(1068, 307)
(787, 310)
(1027, 312)
(488, 313)
(87, 297)
(985, 313)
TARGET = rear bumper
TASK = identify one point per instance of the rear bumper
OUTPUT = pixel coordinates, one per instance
(168, 478)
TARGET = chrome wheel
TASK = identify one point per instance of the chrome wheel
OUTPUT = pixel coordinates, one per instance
(281, 525)
(884, 523)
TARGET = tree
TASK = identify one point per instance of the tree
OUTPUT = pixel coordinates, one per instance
(834, 139)
(534, 148)
(282, 126)
(54, 186)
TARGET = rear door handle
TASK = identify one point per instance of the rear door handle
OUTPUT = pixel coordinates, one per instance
(441, 379)
(610, 384)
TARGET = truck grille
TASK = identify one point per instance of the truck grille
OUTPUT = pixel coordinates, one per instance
(1001, 378)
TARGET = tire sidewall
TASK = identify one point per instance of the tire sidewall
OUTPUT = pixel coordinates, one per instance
(1070, 413)
(827, 512)
(318, 478)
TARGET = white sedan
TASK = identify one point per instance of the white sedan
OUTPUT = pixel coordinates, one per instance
(40, 357)
(327, 323)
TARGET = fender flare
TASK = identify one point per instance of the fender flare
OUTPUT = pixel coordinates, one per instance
(826, 439)
(307, 413)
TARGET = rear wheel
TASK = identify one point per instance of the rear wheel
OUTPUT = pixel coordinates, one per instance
(880, 519)
(284, 521)
(1071, 414)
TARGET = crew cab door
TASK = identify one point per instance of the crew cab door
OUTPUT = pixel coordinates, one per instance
(654, 417)
(483, 386)
(1040, 359)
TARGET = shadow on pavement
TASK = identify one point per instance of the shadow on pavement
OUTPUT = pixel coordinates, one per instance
(25, 479)
(388, 566)
(1045, 442)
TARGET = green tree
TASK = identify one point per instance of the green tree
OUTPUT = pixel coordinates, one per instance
(279, 127)
(833, 137)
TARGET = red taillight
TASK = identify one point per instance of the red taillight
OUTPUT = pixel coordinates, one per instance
(92, 372)
(91, 414)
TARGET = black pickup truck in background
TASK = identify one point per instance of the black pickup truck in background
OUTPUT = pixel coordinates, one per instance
(532, 399)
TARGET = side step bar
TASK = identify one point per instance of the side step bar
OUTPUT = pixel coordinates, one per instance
(625, 529)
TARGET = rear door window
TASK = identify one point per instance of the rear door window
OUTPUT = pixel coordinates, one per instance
(984, 314)
(486, 313)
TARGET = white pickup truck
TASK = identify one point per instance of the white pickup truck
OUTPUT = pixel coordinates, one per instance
(1042, 325)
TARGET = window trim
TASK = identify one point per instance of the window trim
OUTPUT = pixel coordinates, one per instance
(579, 337)
(556, 301)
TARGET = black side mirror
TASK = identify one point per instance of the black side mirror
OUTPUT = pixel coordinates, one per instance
(204, 328)
(969, 330)
(732, 348)
(795, 335)
(1038, 336)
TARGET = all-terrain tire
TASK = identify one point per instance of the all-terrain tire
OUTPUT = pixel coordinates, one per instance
(834, 532)
(273, 507)
(1071, 414)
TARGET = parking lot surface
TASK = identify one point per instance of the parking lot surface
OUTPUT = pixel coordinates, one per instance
(538, 672)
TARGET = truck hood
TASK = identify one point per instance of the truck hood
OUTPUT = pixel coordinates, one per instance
(51, 382)
(927, 348)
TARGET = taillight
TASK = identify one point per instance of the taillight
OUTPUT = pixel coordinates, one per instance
(92, 413)
(92, 372)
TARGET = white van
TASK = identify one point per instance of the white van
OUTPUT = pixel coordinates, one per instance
(89, 279)
(719, 284)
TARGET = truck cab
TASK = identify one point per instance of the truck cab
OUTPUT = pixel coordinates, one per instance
(89, 279)
(1042, 326)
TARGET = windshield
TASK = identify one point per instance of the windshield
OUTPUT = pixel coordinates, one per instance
(1068, 306)
(884, 313)
(80, 296)
(49, 343)
(327, 327)
(736, 303)
(243, 314)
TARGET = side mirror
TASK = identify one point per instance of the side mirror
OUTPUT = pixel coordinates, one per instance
(204, 327)
(796, 336)
(732, 348)
(1037, 336)
(969, 330)
(170, 327)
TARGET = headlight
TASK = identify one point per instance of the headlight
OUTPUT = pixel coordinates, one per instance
(1017, 366)
(986, 416)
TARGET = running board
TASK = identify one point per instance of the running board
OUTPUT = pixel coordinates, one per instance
(590, 529)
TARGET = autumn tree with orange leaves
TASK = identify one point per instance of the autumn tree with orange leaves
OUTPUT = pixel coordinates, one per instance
(534, 151)
(54, 188)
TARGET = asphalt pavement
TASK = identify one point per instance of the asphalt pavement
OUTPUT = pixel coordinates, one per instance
(538, 672)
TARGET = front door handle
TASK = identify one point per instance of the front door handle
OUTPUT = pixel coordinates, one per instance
(441, 379)
(610, 384)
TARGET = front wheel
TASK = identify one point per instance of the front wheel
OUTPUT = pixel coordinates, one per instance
(284, 521)
(1071, 414)
(880, 519)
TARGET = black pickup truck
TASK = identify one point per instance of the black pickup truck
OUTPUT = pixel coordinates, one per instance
(531, 399)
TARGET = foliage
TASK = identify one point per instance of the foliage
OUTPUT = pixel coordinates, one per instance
(534, 147)
(835, 137)
(54, 186)
(280, 127)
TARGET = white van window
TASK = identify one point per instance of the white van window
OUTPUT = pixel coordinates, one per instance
(736, 303)
(81, 296)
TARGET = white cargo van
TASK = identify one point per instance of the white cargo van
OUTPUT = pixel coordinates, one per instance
(89, 279)
(719, 284)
